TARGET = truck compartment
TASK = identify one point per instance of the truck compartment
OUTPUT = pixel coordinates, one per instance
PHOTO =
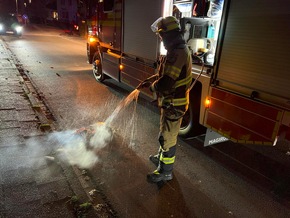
(111, 65)
(241, 119)
(255, 50)
(133, 73)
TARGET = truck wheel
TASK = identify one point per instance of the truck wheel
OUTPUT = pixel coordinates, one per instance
(97, 69)
(89, 56)
(90, 53)
(190, 126)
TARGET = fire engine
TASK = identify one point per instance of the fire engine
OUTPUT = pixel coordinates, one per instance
(240, 53)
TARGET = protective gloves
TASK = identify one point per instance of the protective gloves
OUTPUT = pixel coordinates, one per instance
(145, 85)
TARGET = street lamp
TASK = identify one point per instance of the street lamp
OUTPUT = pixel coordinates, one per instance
(16, 7)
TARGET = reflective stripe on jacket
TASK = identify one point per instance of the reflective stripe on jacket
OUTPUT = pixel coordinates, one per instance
(178, 67)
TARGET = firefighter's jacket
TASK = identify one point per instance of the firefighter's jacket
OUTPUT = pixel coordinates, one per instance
(175, 78)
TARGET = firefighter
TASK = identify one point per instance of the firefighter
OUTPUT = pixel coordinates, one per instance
(172, 89)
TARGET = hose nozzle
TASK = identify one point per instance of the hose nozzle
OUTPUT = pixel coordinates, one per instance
(146, 83)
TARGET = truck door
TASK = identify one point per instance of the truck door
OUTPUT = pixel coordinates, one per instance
(110, 18)
(109, 25)
(140, 44)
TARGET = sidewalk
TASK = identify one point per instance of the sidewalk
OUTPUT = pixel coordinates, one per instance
(32, 182)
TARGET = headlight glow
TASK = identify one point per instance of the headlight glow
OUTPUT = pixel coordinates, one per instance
(18, 29)
(1, 26)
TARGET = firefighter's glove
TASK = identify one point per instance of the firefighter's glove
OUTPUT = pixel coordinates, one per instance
(161, 140)
(145, 85)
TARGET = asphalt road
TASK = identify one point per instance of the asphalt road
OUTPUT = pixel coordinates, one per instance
(56, 64)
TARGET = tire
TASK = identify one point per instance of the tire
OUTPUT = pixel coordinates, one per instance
(97, 68)
(90, 54)
(190, 126)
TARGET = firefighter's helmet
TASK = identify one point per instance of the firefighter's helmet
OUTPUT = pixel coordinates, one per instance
(165, 24)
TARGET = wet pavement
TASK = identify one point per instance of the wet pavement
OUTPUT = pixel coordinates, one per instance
(33, 183)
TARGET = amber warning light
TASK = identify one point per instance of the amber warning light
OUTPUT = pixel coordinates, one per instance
(207, 102)
(92, 39)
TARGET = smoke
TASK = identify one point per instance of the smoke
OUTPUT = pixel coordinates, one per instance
(78, 147)
(102, 135)
(81, 147)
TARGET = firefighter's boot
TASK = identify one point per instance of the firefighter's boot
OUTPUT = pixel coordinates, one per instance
(156, 177)
(165, 167)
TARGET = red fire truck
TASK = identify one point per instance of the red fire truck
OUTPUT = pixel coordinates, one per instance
(240, 55)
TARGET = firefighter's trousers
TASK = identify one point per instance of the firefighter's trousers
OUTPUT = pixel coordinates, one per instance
(170, 121)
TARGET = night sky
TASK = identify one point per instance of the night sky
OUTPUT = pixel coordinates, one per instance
(7, 6)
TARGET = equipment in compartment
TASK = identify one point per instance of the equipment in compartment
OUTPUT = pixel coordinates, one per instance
(197, 27)
(200, 8)
(195, 34)
(207, 8)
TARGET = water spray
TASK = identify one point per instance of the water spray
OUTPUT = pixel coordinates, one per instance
(80, 147)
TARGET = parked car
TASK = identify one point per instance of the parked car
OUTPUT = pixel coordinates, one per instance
(9, 24)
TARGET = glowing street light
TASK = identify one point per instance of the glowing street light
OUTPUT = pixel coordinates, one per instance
(16, 6)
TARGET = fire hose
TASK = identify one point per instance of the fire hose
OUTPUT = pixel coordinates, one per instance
(141, 84)
(196, 79)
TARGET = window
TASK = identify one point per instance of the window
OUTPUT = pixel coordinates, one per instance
(108, 5)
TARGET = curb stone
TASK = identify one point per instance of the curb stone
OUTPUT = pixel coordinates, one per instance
(46, 124)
